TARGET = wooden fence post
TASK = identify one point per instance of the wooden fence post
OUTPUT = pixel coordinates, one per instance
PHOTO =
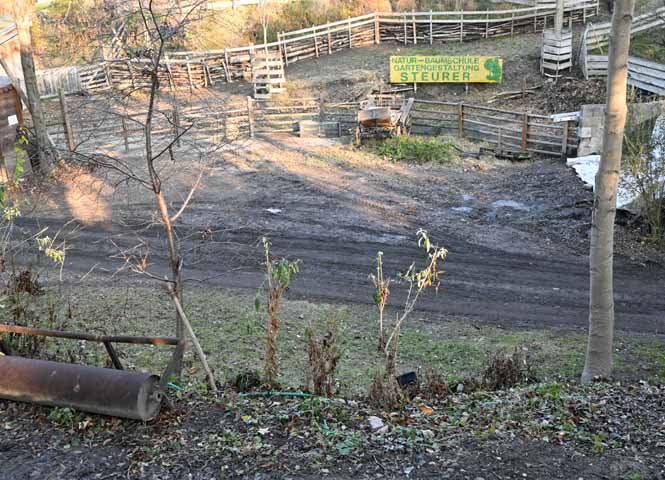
(349, 28)
(250, 117)
(329, 42)
(564, 140)
(460, 120)
(316, 44)
(18, 108)
(405, 31)
(125, 135)
(461, 26)
(431, 29)
(227, 69)
(512, 25)
(189, 73)
(487, 25)
(525, 132)
(377, 29)
(415, 33)
(69, 133)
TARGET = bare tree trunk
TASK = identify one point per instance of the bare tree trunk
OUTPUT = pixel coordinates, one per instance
(558, 18)
(601, 304)
(22, 13)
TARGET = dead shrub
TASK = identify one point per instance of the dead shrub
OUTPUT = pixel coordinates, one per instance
(434, 385)
(24, 281)
(508, 370)
(247, 381)
(384, 391)
(323, 355)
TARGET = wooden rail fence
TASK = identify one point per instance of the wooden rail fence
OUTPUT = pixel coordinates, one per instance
(520, 131)
(643, 74)
(197, 69)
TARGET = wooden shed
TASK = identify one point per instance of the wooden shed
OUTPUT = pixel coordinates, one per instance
(10, 118)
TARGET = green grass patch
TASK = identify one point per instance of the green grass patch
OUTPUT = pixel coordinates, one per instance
(649, 45)
(232, 335)
(414, 149)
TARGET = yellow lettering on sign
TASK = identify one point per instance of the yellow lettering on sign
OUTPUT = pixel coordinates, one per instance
(445, 69)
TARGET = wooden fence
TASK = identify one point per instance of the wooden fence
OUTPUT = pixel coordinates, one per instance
(643, 74)
(197, 69)
(520, 131)
(72, 80)
(598, 36)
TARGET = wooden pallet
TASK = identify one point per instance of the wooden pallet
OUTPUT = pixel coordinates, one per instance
(267, 74)
(556, 53)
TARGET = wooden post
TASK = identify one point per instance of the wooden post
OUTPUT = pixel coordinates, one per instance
(535, 22)
(349, 27)
(229, 75)
(377, 29)
(524, 88)
(69, 133)
(460, 120)
(498, 146)
(525, 132)
(487, 25)
(189, 74)
(250, 117)
(285, 50)
(564, 140)
(405, 34)
(168, 71)
(18, 107)
(316, 44)
(461, 26)
(431, 29)
(415, 33)
(131, 73)
(125, 136)
(512, 25)
(329, 42)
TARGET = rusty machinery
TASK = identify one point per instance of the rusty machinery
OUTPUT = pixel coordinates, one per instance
(107, 391)
(382, 116)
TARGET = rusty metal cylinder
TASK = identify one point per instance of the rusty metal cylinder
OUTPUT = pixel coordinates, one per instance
(117, 393)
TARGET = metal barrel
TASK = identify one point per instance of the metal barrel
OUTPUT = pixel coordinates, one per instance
(117, 393)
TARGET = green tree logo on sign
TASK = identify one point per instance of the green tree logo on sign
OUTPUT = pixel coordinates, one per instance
(493, 66)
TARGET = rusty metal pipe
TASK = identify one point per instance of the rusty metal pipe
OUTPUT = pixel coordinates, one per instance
(117, 393)
(43, 332)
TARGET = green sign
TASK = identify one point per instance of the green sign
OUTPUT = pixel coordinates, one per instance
(443, 69)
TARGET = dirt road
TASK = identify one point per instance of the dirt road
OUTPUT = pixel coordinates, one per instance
(517, 234)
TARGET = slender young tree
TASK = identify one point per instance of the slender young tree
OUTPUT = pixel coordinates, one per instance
(22, 12)
(601, 303)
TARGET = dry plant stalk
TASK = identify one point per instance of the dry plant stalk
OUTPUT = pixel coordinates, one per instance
(323, 357)
(384, 391)
(381, 295)
(279, 275)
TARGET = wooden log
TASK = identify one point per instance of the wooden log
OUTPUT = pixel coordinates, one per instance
(525, 131)
(460, 114)
(66, 123)
(250, 116)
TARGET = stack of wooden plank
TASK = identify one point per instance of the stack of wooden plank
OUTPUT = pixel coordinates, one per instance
(557, 53)
(267, 74)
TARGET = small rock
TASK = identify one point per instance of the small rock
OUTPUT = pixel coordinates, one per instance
(460, 388)
(429, 434)
(375, 422)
